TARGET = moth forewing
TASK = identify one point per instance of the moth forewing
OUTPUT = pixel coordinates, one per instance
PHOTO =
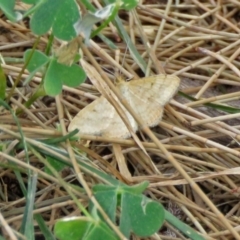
(148, 96)
(94, 118)
(169, 85)
(118, 128)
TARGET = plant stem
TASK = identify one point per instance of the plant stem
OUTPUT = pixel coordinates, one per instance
(22, 70)
(40, 92)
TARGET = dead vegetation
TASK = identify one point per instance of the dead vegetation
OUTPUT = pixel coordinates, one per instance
(193, 155)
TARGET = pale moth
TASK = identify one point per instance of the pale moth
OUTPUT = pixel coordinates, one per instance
(147, 96)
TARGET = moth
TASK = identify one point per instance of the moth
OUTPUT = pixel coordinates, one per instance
(147, 96)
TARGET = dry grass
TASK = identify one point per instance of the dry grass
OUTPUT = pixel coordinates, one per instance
(194, 152)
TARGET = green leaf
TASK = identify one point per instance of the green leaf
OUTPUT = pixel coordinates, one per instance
(100, 231)
(52, 84)
(7, 6)
(184, 228)
(71, 228)
(138, 213)
(212, 105)
(129, 4)
(32, 1)
(27, 227)
(43, 18)
(58, 74)
(126, 4)
(77, 228)
(19, 178)
(48, 235)
(56, 140)
(72, 76)
(132, 48)
(56, 164)
(60, 15)
(108, 200)
(136, 189)
(37, 61)
(3, 83)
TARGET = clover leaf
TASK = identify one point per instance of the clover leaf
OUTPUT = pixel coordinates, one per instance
(56, 74)
(139, 214)
(60, 15)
